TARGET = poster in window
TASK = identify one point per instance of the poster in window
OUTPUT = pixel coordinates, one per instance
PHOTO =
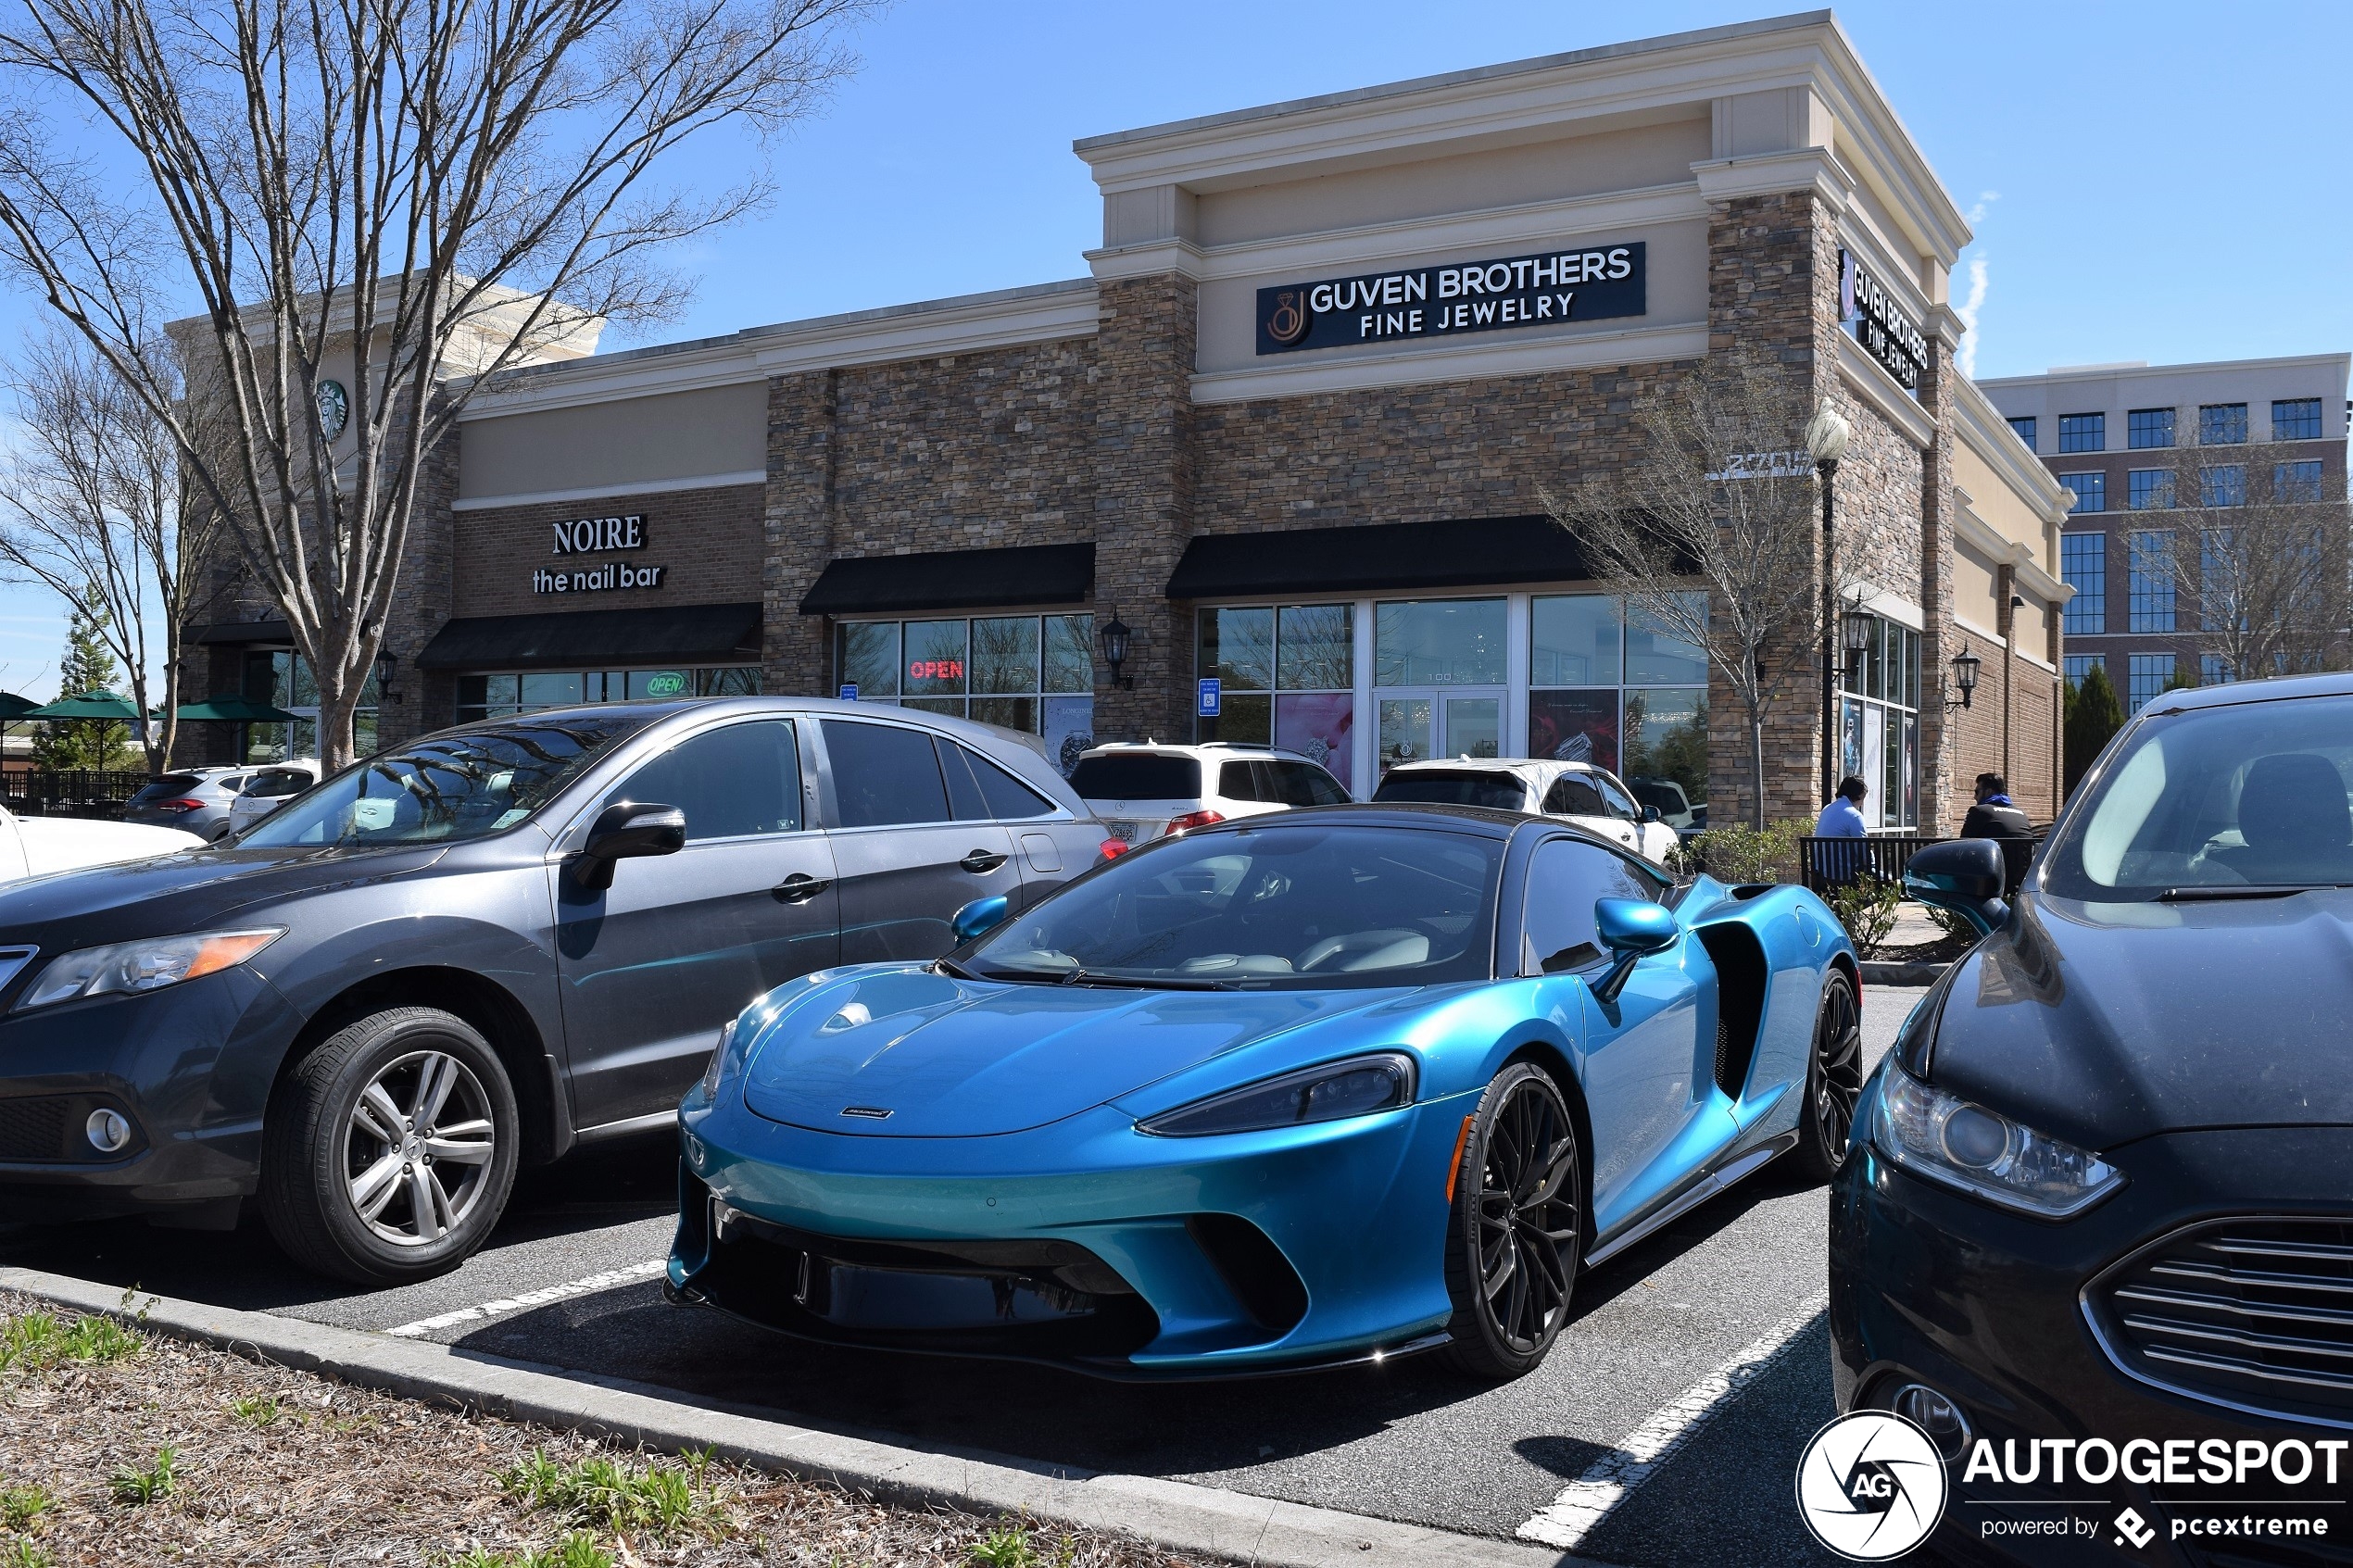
(1574, 726)
(1320, 726)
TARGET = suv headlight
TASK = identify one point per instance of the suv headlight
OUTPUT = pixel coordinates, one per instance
(1948, 1139)
(142, 966)
(1355, 1087)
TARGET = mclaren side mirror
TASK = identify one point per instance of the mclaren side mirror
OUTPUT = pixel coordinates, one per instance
(980, 915)
(1629, 928)
(1966, 875)
(627, 830)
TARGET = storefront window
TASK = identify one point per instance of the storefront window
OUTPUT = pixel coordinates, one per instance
(1639, 711)
(282, 679)
(502, 696)
(1438, 643)
(1287, 676)
(1882, 729)
(1029, 672)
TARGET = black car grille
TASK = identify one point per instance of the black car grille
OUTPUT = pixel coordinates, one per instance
(2256, 1313)
(33, 1128)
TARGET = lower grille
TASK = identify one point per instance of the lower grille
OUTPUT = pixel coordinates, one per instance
(2255, 1314)
(34, 1128)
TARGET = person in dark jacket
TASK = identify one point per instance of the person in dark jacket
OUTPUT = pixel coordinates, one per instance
(1996, 817)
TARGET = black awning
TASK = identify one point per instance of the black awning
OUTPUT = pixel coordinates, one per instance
(1021, 574)
(1377, 557)
(231, 633)
(589, 639)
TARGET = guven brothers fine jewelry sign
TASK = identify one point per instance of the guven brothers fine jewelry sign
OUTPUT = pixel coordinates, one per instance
(597, 535)
(1586, 284)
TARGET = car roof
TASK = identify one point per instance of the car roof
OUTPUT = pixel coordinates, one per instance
(1487, 821)
(1494, 765)
(1229, 748)
(2274, 689)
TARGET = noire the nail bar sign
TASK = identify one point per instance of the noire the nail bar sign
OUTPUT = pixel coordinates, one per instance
(1549, 288)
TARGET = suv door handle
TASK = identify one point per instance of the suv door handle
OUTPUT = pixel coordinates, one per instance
(980, 863)
(799, 887)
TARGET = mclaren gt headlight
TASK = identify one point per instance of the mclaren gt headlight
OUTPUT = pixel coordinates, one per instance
(1358, 1087)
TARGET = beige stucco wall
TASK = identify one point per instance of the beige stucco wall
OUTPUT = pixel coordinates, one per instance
(2002, 508)
(676, 435)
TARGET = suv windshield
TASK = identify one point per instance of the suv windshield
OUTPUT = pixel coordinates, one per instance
(1136, 775)
(464, 783)
(2250, 793)
(1468, 787)
(1300, 906)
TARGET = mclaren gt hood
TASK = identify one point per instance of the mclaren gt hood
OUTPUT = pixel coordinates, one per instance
(915, 1053)
(2106, 1022)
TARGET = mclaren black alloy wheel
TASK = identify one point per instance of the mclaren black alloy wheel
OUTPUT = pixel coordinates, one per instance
(1833, 1080)
(1517, 1234)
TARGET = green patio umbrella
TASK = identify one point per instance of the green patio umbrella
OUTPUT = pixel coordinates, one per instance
(235, 710)
(13, 707)
(89, 705)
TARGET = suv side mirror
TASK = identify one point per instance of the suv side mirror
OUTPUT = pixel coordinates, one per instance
(1650, 814)
(1965, 875)
(627, 830)
(1629, 928)
(980, 915)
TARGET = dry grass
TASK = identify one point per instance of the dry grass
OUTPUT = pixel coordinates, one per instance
(272, 1467)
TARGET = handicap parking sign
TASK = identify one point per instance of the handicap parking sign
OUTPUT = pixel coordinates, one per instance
(1211, 696)
(848, 694)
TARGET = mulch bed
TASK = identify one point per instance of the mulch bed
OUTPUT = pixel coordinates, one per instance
(343, 1476)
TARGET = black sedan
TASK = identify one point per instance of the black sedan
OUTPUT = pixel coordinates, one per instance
(2096, 1235)
(479, 950)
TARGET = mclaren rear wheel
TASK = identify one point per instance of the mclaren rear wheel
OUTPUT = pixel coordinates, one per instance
(1516, 1232)
(1833, 1081)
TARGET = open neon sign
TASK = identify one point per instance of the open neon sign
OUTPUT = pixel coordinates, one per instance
(936, 670)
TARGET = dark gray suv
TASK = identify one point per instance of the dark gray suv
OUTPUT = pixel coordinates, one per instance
(479, 950)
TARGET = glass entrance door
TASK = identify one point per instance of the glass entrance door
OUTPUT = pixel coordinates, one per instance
(1416, 726)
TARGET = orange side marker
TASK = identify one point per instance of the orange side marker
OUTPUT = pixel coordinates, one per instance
(1461, 1141)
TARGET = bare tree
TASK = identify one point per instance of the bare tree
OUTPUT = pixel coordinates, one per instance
(403, 198)
(93, 508)
(1710, 530)
(2259, 550)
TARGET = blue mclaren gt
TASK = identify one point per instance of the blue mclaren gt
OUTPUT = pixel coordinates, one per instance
(1295, 1090)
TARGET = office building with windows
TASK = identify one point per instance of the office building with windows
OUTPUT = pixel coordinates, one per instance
(1282, 452)
(2150, 454)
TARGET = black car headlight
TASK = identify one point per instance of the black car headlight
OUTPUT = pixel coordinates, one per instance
(1358, 1087)
(1983, 1153)
(131, 967)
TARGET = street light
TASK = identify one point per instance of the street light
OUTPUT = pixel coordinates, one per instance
(1826, 435)
(1115, 635)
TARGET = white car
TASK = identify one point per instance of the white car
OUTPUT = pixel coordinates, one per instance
(1145, 790)
(39, 846)
(1590, 796)
(270, 788)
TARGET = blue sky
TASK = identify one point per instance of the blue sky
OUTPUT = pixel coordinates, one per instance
(2155, 179)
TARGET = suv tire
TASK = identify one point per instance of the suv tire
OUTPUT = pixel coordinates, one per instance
(389, 1150)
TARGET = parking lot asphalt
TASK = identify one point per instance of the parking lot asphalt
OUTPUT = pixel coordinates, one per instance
(1729, 1294)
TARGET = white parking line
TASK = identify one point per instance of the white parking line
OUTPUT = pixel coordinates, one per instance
(1587, 1500)
(517, 1302)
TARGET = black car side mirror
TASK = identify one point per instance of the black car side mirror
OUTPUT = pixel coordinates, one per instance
(1966, 875)
(625, 831)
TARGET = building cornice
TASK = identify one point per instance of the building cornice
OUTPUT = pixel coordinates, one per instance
(1976, 422)
(1764, 174)
(1455, 362)
(933, 329)
(2002, 550)
(2112, 373)
(1528, 100)
(602, 492)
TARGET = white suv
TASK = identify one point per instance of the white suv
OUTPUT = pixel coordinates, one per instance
(1590, 796)
(1143, 791)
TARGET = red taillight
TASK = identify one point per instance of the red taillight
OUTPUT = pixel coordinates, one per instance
(1194, 819)
(183, 806)
(1114, 849)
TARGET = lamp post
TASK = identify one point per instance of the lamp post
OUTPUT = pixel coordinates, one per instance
(1826, 437)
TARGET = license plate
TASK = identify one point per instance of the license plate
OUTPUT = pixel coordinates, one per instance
(1124, 832)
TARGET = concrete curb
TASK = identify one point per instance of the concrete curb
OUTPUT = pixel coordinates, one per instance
(1202, 1521)
(1903, 974)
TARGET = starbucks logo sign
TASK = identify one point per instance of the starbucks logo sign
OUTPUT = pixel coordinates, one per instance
(334, 409)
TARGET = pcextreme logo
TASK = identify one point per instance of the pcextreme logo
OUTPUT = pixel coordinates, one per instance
(1870, 1485)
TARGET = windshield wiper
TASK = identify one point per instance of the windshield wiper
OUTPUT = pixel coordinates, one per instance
(944, 966)
(2240, 890)
(1141, 983)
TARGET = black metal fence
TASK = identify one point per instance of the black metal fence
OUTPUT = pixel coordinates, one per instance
(1825, 863)
(76, 792)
